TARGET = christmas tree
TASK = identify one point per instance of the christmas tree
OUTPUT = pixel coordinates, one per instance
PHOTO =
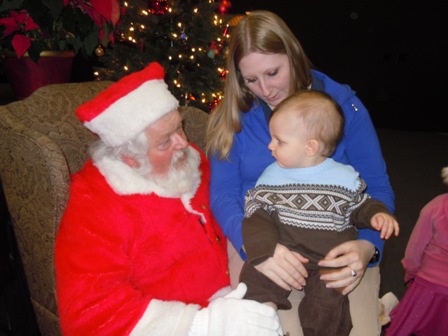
(188, 37)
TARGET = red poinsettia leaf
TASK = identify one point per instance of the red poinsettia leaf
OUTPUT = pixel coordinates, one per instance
(20, 43)
(30, 24)
(20, 16)
(109, 9)
(10, 25)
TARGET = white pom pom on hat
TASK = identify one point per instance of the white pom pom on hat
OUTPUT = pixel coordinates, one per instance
(128, 106)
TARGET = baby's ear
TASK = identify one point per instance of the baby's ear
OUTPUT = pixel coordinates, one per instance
(130, 161)
(312, 147)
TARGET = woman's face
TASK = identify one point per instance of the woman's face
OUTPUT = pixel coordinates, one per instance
(267, 76)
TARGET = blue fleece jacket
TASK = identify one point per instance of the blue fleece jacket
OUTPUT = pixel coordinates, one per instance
(249, 156)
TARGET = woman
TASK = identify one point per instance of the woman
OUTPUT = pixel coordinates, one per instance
(266, 64)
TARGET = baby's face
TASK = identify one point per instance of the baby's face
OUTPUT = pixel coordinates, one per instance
(289, 141)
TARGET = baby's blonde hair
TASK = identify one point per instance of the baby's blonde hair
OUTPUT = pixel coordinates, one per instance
(321, 115)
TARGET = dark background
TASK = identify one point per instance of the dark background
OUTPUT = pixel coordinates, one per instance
(393, 53)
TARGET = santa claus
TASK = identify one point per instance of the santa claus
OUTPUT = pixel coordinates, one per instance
(138, 251)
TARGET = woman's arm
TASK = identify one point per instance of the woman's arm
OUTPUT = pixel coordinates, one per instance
(361, 148)
(225, 197)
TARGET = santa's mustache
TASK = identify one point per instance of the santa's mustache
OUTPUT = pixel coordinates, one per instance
(179, 155)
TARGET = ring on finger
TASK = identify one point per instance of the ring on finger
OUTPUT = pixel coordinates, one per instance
(354, 274)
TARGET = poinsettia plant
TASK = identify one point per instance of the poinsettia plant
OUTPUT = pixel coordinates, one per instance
(30, 26)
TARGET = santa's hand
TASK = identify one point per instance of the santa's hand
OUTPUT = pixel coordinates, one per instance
(233, 316)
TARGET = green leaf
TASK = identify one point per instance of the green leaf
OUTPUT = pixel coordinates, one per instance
(55, 7)
(7, 5)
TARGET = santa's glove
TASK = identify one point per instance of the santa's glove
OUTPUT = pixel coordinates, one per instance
(233, 316)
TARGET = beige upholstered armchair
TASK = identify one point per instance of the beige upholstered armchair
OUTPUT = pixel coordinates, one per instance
(41, 144)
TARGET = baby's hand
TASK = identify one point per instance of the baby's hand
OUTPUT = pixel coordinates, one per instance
(386, 224)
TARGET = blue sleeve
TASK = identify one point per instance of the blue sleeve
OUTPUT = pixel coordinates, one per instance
(225, 196)
(363, 152)
(372, 236)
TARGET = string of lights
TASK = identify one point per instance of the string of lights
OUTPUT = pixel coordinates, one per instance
(188, 37)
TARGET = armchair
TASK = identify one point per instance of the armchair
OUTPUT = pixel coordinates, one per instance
(41, 144)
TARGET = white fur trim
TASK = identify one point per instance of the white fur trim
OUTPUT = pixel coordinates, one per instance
(131, 114)
(187, 204)
(165, 318)
(125, 181)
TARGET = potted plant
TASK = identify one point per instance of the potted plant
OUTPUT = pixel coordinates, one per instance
(31, 30)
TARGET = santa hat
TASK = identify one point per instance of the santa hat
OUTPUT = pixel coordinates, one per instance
(128, 106)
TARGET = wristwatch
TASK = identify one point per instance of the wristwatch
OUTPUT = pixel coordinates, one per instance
(375, 257)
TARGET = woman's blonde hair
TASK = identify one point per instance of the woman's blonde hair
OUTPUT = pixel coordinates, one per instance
(262, 32)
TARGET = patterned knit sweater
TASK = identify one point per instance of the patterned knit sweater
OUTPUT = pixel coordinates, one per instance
(304, 215)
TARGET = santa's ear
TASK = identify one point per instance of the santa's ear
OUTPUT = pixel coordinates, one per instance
(130, 161)
(312, 147)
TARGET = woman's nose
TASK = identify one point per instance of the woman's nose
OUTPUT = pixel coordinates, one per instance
(265, 88)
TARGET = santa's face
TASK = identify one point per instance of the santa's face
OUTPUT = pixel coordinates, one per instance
(167, 143)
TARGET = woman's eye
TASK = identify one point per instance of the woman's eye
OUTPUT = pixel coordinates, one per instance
(273, 73)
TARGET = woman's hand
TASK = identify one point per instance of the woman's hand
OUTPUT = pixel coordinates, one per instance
(351, 258)
(285, 268)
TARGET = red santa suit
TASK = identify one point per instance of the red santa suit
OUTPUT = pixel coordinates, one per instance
(130, 261)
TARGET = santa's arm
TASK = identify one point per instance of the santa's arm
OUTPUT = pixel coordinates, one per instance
(94, 279)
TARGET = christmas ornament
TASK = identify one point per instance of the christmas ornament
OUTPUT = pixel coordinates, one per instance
(213, 104)
(213, 51)
(158, 7)
(183, 36)
(224, 6)
(223, 74)
(226, 30)
(99, 51)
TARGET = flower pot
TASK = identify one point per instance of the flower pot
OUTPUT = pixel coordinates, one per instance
(25, 76)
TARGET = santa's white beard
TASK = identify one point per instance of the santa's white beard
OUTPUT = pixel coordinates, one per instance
(183, 178)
